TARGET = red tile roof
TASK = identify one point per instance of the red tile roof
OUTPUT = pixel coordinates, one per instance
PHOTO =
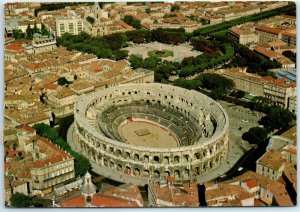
(11, 153)
(50, 86)
(14, 47)
(288, 34)
(268, 29)
(251, 183)
(100, 200)
(77, 201)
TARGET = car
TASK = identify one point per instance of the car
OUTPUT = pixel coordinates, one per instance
(240, 169)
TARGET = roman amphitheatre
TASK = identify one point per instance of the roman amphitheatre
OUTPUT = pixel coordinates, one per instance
(150, 133)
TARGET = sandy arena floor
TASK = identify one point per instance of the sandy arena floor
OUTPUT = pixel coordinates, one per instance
(157, 137)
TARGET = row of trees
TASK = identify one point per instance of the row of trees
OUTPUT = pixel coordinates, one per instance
(128, 19)
(226, 25)
(168, 36)
(275, 119)
(291, 55)
(82, 164)
(254, 62)
(162, 69)
(220, 86)
(107, 47)
(19, 200)
(18, 34)
(202, 62)
(244, 57)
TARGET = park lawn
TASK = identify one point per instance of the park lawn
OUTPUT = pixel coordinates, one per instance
(166, 53)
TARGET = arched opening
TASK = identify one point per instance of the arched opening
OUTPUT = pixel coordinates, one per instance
(118, 152)
(166, 160)
(176, 159)
(136, 157)
(186, 173)
(127, 170)
(119, 167)
(185, 158)
(112, 164)
(136, 172)
(197, 156)
(177, 174)
(146, 158)
(146, 173)
(156, 174)
(156, 159)
(105, 162)
(197, 170)
(167, 174)
(127, 155)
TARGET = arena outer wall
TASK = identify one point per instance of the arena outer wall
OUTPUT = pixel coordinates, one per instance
(145, 163)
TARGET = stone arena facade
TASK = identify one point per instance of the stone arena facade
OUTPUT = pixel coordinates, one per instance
(198, 123)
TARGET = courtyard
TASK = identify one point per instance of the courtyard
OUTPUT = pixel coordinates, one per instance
(179, 51)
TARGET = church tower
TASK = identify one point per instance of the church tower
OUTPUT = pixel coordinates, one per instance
(99, 12)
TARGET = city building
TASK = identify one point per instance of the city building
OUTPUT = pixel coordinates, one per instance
(89, 198)
(170, 193)
(280, 91)
(267, 192)
(229, 195)
(40, 165)
(71, 25)
(271, 164)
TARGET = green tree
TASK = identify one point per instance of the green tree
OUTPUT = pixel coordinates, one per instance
(277, 118)
(148, 10)
(120, 54)
(136, 61)
(291, 55)
(151, 63)
(63, 81)
(19, 200)
(124, 40)
(90, 19)
(44, 31)
(29, 33)
(82, 164)
(256, 135)
(17, 34)
(175, 7)
(128, 19)
(136, 24)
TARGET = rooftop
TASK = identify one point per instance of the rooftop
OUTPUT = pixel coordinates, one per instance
(179, 194)
(272, 159)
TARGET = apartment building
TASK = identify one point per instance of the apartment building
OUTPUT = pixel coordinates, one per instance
(171, 193)
(43, 165)
(72, 25)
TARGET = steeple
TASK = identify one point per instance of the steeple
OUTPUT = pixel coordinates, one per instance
(88, 188)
